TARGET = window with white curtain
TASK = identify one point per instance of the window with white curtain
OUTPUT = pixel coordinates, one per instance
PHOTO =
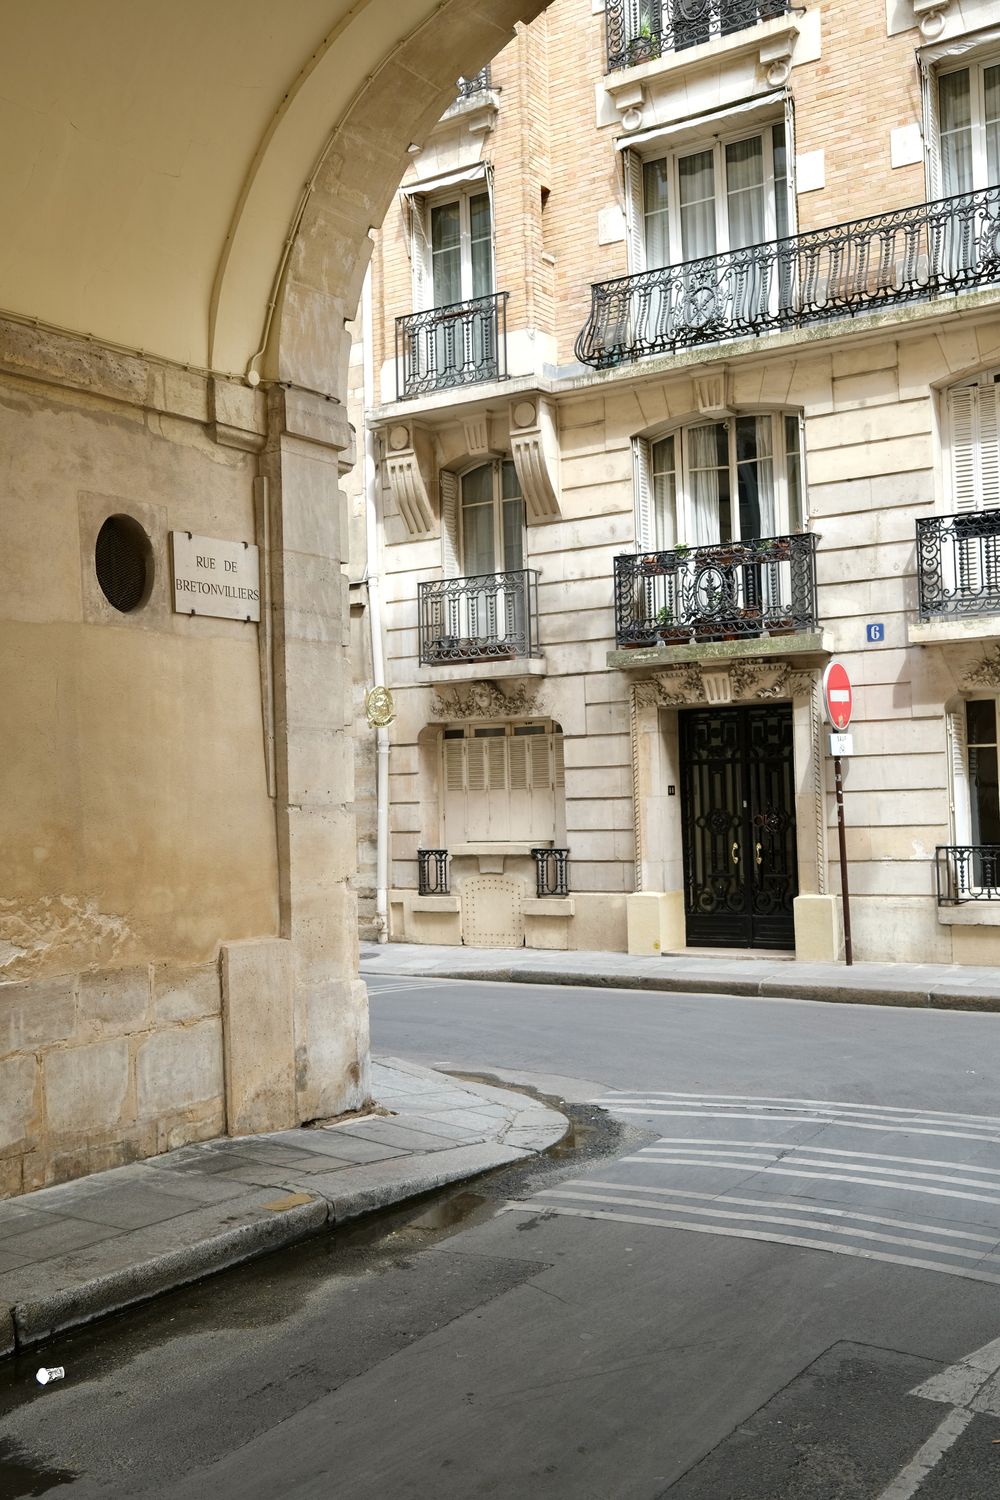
(969, 127)
(724, 195)
(503, 783)
(715, 482)
(451, 245)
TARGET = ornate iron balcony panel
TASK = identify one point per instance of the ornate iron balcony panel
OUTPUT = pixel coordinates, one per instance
(551, 872)
(487, 618)
(958, 564)
(640, 30)
(732, 591)
(908, 255)
(432, 872)
(967, 872)
(444, 347)
(467, 88)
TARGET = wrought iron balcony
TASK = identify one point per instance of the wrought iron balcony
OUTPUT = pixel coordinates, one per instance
(468, 88)
(958, 564)
(733, 591)
(443, 347)
(551, 872)
(967, 872)
(486, 618)
(640, 30)
(432, 872)
(908, 255)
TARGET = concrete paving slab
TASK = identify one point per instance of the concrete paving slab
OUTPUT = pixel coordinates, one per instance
(75, 1252)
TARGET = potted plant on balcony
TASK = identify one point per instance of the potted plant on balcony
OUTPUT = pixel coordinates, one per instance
(643, 46)
(668, 631)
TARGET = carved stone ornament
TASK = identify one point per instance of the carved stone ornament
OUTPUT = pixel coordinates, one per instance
(983, 673)
(411, 470)
(931, 16)
(696, 682)
(534, 447)
(485, 700)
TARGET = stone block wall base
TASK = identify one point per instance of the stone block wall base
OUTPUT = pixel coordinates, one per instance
(258, 1035)
(655, 922)
(332, 1062)
(819, 929)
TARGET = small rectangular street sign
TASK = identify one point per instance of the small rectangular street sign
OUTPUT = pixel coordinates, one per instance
(875, 632)
(215, 577)
(841, 744)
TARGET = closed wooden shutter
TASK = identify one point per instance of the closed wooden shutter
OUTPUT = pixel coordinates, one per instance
(448, 484)
(420, 253)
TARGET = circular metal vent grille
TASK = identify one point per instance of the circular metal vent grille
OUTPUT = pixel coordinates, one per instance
(122, 562)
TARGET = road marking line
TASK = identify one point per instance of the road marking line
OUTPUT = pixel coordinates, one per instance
(722, 1213)
(881, 1182)
(818, 1114)
(992, 1240)
(697, 1142)
(673, 1094)
(797, 1243)
(796, 1157)
(909, 1480)
(901, 1127)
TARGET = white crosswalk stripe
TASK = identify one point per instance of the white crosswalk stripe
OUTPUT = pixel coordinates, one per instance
(850, 1202)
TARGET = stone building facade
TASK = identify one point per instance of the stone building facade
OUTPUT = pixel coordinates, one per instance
(685, 347)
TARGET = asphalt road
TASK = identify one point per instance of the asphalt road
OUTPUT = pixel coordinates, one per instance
(763, 1280)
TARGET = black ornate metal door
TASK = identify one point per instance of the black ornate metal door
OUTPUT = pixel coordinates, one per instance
(738, 792)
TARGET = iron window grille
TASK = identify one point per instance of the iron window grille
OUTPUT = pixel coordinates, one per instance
(489, 617)
(967, 872)
(440, 348)
(432, 872)
(734, 590)
(640, 30)
(958, 564)
(551, 872)
(908, 255)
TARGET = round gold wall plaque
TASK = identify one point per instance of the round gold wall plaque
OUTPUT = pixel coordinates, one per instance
(379, 710)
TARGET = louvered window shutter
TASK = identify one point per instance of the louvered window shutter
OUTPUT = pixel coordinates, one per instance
(496, 762)
(476, 763)
(635, 228)
(974, 436)
(448, 484)
(932, 134)
(518, 761)
(454, 765)
(558, 761)
(420, 253)
(541, 768)
(642, 466)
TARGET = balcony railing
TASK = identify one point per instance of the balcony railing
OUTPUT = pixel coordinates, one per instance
(967, 872)
(432, 872)
(443, 347)
(468, 88)
(908, 255)
(640, 30)
(486, 618)
(731, 591)
(958, 564)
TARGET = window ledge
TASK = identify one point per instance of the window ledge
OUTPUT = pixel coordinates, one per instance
(500, 849)
(549, 906)
(485, 669)
(970, 914)
(435, 903)
(948, 630)
(807, 643)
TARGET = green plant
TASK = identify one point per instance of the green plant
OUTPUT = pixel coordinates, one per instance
(665, 616)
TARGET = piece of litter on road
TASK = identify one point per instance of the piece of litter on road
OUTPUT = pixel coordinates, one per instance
(54, 1372)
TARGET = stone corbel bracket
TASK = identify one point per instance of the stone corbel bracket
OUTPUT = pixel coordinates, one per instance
(411, 469)
(534, 447)
(713, 395)
(776, 56)
(931, 16)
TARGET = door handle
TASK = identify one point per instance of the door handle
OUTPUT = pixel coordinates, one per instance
(735, 851)
(756, 853)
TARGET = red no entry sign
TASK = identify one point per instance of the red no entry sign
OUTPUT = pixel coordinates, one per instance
(838, 695)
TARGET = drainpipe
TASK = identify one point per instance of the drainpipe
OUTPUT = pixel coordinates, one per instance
(373, 567)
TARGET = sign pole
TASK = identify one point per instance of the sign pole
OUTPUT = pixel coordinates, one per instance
(838, 698)
(842, 835)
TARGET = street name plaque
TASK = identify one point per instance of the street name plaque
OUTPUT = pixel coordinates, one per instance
(215, 577)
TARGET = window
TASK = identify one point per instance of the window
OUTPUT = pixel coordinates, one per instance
(503, 783)
(969, 128)
(724, 196)
(492, 520)
(720, 482)
(451, 244)
(984, 789)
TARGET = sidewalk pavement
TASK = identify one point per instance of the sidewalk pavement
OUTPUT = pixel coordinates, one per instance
(948, 986)
(72, 1253)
